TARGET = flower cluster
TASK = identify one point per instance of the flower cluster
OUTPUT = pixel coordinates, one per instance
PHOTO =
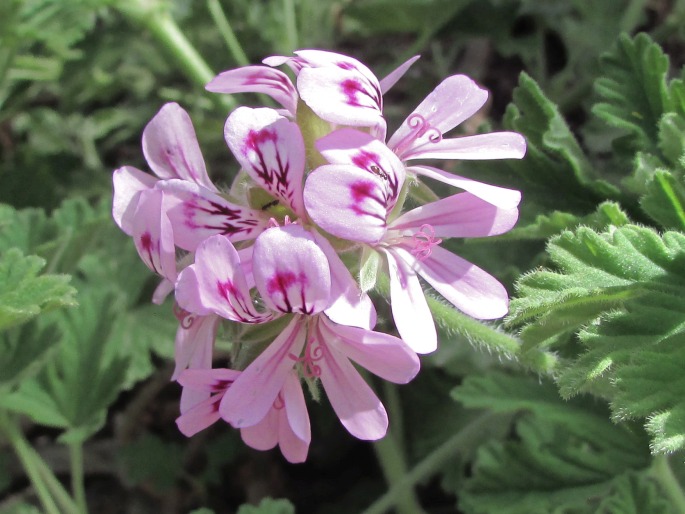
(318, 179)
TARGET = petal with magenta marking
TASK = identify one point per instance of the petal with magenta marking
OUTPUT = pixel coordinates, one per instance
(197, 213)
(290, 271)
(270, 148)
(348, 202)
(153, 234)
(257, 79)
(171, 149)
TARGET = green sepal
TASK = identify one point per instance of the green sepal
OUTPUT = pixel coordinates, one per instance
(368, 271)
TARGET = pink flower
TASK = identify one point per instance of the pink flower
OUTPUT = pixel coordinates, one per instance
(338, 88)
(355, 198)
(286, 423)
(293, 276)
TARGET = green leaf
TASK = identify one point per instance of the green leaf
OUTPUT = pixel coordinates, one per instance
(664, 200)
(563, 457)
(548, 225)
(621, 295)
(633, 89)
(24, 350)
(74, 389)
(268, 506)
(671, 144)
(554, 158)
(24, 294)
(634, 493)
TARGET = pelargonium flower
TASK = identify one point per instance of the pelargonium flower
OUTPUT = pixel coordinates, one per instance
(293, 277)
(355, 197)
(338, 88)
(286, 423)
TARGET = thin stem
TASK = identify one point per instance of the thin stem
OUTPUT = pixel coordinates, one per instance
(48, 489)
(24, 453)
(222, 23)
(662, 472)
(77, 476)
(433, 462)
(289, 24)
(162, 26)
(391, 456)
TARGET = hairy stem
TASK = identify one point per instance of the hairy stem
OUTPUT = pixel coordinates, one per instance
(434, 461)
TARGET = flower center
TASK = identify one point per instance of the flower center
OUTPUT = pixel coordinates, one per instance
(185, 318)
(312, 353)
(419, 127)
(424, 241)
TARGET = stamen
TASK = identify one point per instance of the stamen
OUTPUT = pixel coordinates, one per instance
(312, 354)
(185, 318)
(420, 126)
(424, 241)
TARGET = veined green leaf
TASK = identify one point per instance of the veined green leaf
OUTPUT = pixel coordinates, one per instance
(24, 294)
(664, 200)
(564, 457)
(554, 156)
(633, 89)
(621, 295)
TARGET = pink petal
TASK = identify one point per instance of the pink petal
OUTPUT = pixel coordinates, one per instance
(264, 434)
(499, 196)
(460, 215)
(348, 202)
(341, 96)
(291, 272)
(257, 79)
(410, 311)
(295, 409)
(163, 289)
(349, 305)
(197, 213)
(382, 354)
(271, 149)
(466, 286)
(194, 343)
(210, 380)
(454, 100)
(153, 235)
(323, 58)
(171, 149)
(349, 146)
(251, 396)
(219, 284)
(395, 75)
(354, 402)
(201, 416)
(128, 183)
(496, 145)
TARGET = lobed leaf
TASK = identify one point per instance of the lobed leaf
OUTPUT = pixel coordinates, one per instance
(24, 294)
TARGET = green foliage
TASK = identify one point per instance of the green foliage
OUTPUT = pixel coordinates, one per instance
(554, 158)
(634, 494)
(24, 294)
(268, 506)
(564, 457)
(620, 294)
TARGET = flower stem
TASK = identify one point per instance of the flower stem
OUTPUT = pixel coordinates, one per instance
(222, 23)
(154, 17)
(290, 25)
(77, 477)
(391, 456)
(662, 472)
(465, 438)
(48, 489)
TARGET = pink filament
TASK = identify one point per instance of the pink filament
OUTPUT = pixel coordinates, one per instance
(424, 241)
